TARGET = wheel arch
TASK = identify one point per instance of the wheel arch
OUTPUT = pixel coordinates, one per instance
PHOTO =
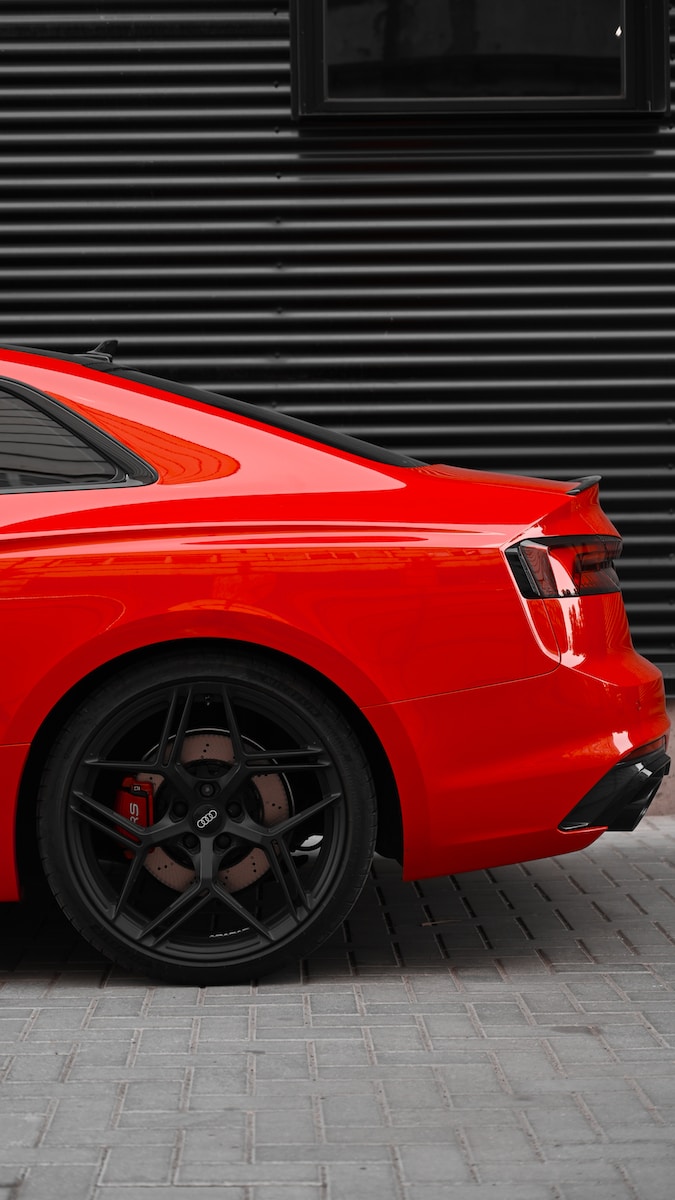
(390, 826)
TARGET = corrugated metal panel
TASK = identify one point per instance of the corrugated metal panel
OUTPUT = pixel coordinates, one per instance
(497, 294)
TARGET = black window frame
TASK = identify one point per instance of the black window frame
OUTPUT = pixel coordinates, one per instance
(130, 470)
(646, 75)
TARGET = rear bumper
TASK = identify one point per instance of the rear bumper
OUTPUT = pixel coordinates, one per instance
(492, 774)
(621, 798)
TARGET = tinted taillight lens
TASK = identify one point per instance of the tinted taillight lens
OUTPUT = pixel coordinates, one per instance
(565, 566)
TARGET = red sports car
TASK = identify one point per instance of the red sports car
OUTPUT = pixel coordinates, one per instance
(240, 654)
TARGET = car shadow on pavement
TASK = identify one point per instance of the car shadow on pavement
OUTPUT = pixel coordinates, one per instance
(611, 905)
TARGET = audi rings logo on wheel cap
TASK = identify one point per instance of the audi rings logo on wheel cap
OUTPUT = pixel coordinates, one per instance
(207, 818)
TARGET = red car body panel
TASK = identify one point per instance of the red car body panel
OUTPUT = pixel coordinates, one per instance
(496, 713)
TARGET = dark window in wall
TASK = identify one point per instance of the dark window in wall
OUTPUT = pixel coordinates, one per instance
(408, 55)
(474, 48)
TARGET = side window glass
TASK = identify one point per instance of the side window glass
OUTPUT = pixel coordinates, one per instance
(37, 451)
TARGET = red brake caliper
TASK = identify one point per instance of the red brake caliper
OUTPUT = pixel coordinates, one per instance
(134, 802)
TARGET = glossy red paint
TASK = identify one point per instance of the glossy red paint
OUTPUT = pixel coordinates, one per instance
(496, 712)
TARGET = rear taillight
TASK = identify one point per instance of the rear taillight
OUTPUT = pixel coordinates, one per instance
(565, 566)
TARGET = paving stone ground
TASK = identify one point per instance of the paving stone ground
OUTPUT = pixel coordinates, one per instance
(503, 1035)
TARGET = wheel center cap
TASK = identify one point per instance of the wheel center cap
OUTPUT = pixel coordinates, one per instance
(207, 819)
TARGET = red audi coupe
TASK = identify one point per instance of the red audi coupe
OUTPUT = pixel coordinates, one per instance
(241, 654)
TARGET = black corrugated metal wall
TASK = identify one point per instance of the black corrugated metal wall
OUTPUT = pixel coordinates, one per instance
(496, 292)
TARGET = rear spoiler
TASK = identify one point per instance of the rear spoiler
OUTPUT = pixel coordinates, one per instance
(582, 485)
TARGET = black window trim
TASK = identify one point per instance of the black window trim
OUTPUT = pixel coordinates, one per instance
(132, 471)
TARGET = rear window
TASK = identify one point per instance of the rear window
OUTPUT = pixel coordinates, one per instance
(44, 446)
(37, 451)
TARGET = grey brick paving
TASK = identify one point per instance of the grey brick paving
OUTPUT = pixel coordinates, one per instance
(505, 1035)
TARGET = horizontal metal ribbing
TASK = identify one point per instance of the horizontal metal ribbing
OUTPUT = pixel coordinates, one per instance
(494, 291)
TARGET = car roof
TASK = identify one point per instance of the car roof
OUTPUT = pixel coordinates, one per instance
(101, 358)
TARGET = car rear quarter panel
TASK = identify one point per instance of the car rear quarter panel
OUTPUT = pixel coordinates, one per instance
(385, 618)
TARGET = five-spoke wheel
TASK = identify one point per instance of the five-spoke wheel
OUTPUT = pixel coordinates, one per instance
(207, 817)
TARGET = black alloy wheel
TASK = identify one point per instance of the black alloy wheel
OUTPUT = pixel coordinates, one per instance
(206, 818)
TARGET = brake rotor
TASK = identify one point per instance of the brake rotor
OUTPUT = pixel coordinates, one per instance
(273, 802)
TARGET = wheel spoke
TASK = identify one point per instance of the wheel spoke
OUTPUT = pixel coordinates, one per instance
(298, 911)
(306, 814)
(130, 881)
(238, 751)
(113, 824)
(184, 907)
(188, 903)
(308, 758)
(171, 743)
(209, 864)
(120, 829)
(127, 767)
(229, 900)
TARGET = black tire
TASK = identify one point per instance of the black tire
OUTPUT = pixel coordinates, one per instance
(257, 822)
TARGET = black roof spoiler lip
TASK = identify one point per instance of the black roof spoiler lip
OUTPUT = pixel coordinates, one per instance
(582, 485)
(100, 354)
